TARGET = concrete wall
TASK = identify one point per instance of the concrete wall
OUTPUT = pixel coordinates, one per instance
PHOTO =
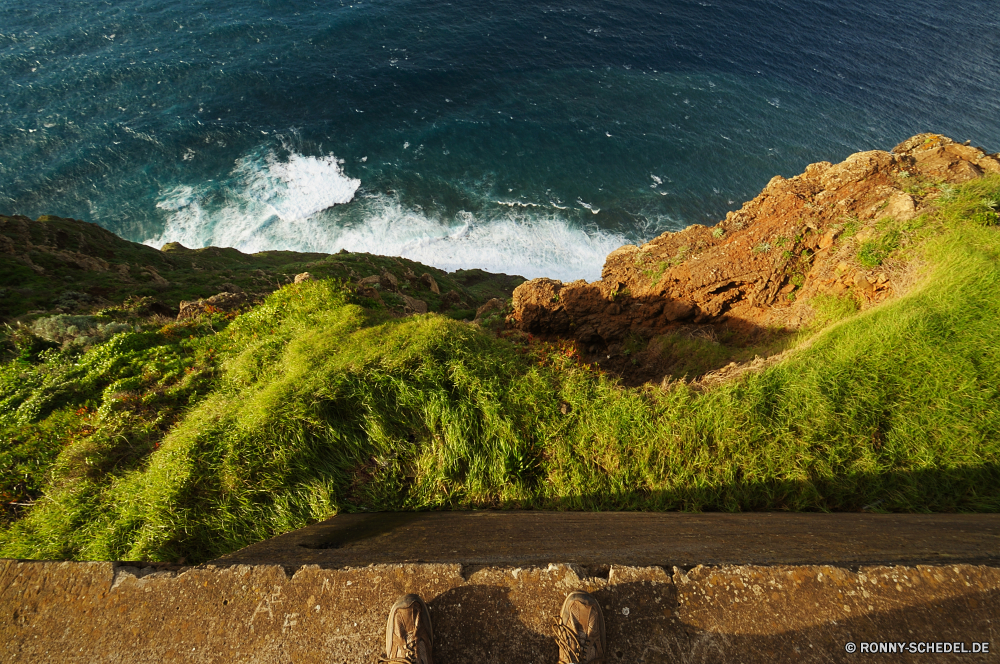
(111, 612)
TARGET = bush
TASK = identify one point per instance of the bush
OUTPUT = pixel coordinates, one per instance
(80, 331)
(873, 252)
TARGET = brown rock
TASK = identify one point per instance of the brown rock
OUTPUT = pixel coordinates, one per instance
(366, 291)
(230, 287)
(303, 276)
(537, 308)
(989, 164)
(414, 306)
(495, 304)
(901, 207)
(370, 281)
(856, 168)
(451, 299)
(737, 276)
(818, 169)
(674, 310)
(829, 238)
(220, 302)
(862, 282)
(389, 281)
(428, 280)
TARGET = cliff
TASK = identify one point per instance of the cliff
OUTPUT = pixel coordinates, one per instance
(65, 266)
(128, 434)
(827, 231)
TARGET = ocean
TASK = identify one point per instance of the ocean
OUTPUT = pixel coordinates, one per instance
(530, 138)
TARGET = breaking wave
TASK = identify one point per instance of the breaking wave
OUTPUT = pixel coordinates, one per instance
(300, 205)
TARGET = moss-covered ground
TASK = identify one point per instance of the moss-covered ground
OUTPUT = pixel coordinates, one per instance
(189, 440)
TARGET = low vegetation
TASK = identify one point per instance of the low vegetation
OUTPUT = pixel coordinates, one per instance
(169, 440)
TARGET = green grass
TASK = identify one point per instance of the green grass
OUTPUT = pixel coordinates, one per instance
(309, 405)
(873, 253)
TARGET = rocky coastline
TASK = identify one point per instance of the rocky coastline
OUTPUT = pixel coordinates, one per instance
(746, 281)
(753, 274)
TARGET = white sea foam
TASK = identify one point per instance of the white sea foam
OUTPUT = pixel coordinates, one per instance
(298, 188)
(522, 204)
(271, 205)
(514, 241)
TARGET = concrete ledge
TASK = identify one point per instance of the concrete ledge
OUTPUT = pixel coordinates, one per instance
(600, 539)
(108, 612)
(773, 588)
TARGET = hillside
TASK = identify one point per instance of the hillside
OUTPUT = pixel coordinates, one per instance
(831, 346)
(64, 266)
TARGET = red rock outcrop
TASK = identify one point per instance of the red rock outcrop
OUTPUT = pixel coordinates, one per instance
(757, 266)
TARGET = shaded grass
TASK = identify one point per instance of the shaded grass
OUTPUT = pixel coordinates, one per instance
(321, 406)
(188, 274)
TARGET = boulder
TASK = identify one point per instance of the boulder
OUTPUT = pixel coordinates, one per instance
(451, 300)
(389, 281)
(493, 305)
(901, 207)
(220, 302)
(303, 276)
(428, 281)
(414, 306)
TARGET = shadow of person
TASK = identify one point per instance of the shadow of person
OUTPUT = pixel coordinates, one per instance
(480, 624)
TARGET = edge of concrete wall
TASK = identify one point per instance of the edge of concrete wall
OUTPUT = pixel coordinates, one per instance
(114, 612)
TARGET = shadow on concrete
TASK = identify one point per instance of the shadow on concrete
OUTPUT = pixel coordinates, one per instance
(480, 623)
(596, 540)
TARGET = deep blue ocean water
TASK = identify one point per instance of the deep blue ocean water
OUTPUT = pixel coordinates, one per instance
(522, 137)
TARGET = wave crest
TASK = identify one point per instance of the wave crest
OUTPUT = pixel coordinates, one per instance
(298, 205)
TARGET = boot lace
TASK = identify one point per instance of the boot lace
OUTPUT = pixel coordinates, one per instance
(573, 644)
(409, 654)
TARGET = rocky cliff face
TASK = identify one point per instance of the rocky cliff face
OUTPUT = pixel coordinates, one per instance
(755, 269)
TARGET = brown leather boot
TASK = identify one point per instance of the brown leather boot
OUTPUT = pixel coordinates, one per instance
(409, 636)
(580, 630)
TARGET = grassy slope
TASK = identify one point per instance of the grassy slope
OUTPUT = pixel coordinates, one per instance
(188, 274)
(309, 405)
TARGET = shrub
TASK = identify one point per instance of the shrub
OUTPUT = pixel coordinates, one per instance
(82, 331)
(873, 252)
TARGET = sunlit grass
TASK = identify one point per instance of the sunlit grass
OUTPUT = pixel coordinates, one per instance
(197, 442)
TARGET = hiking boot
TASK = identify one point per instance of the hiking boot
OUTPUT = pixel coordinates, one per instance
(409, 636)
(580, 630)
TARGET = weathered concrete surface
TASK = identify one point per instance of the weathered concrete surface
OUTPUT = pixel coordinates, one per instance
(321, 594)
(105, 612)
(515, 539)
